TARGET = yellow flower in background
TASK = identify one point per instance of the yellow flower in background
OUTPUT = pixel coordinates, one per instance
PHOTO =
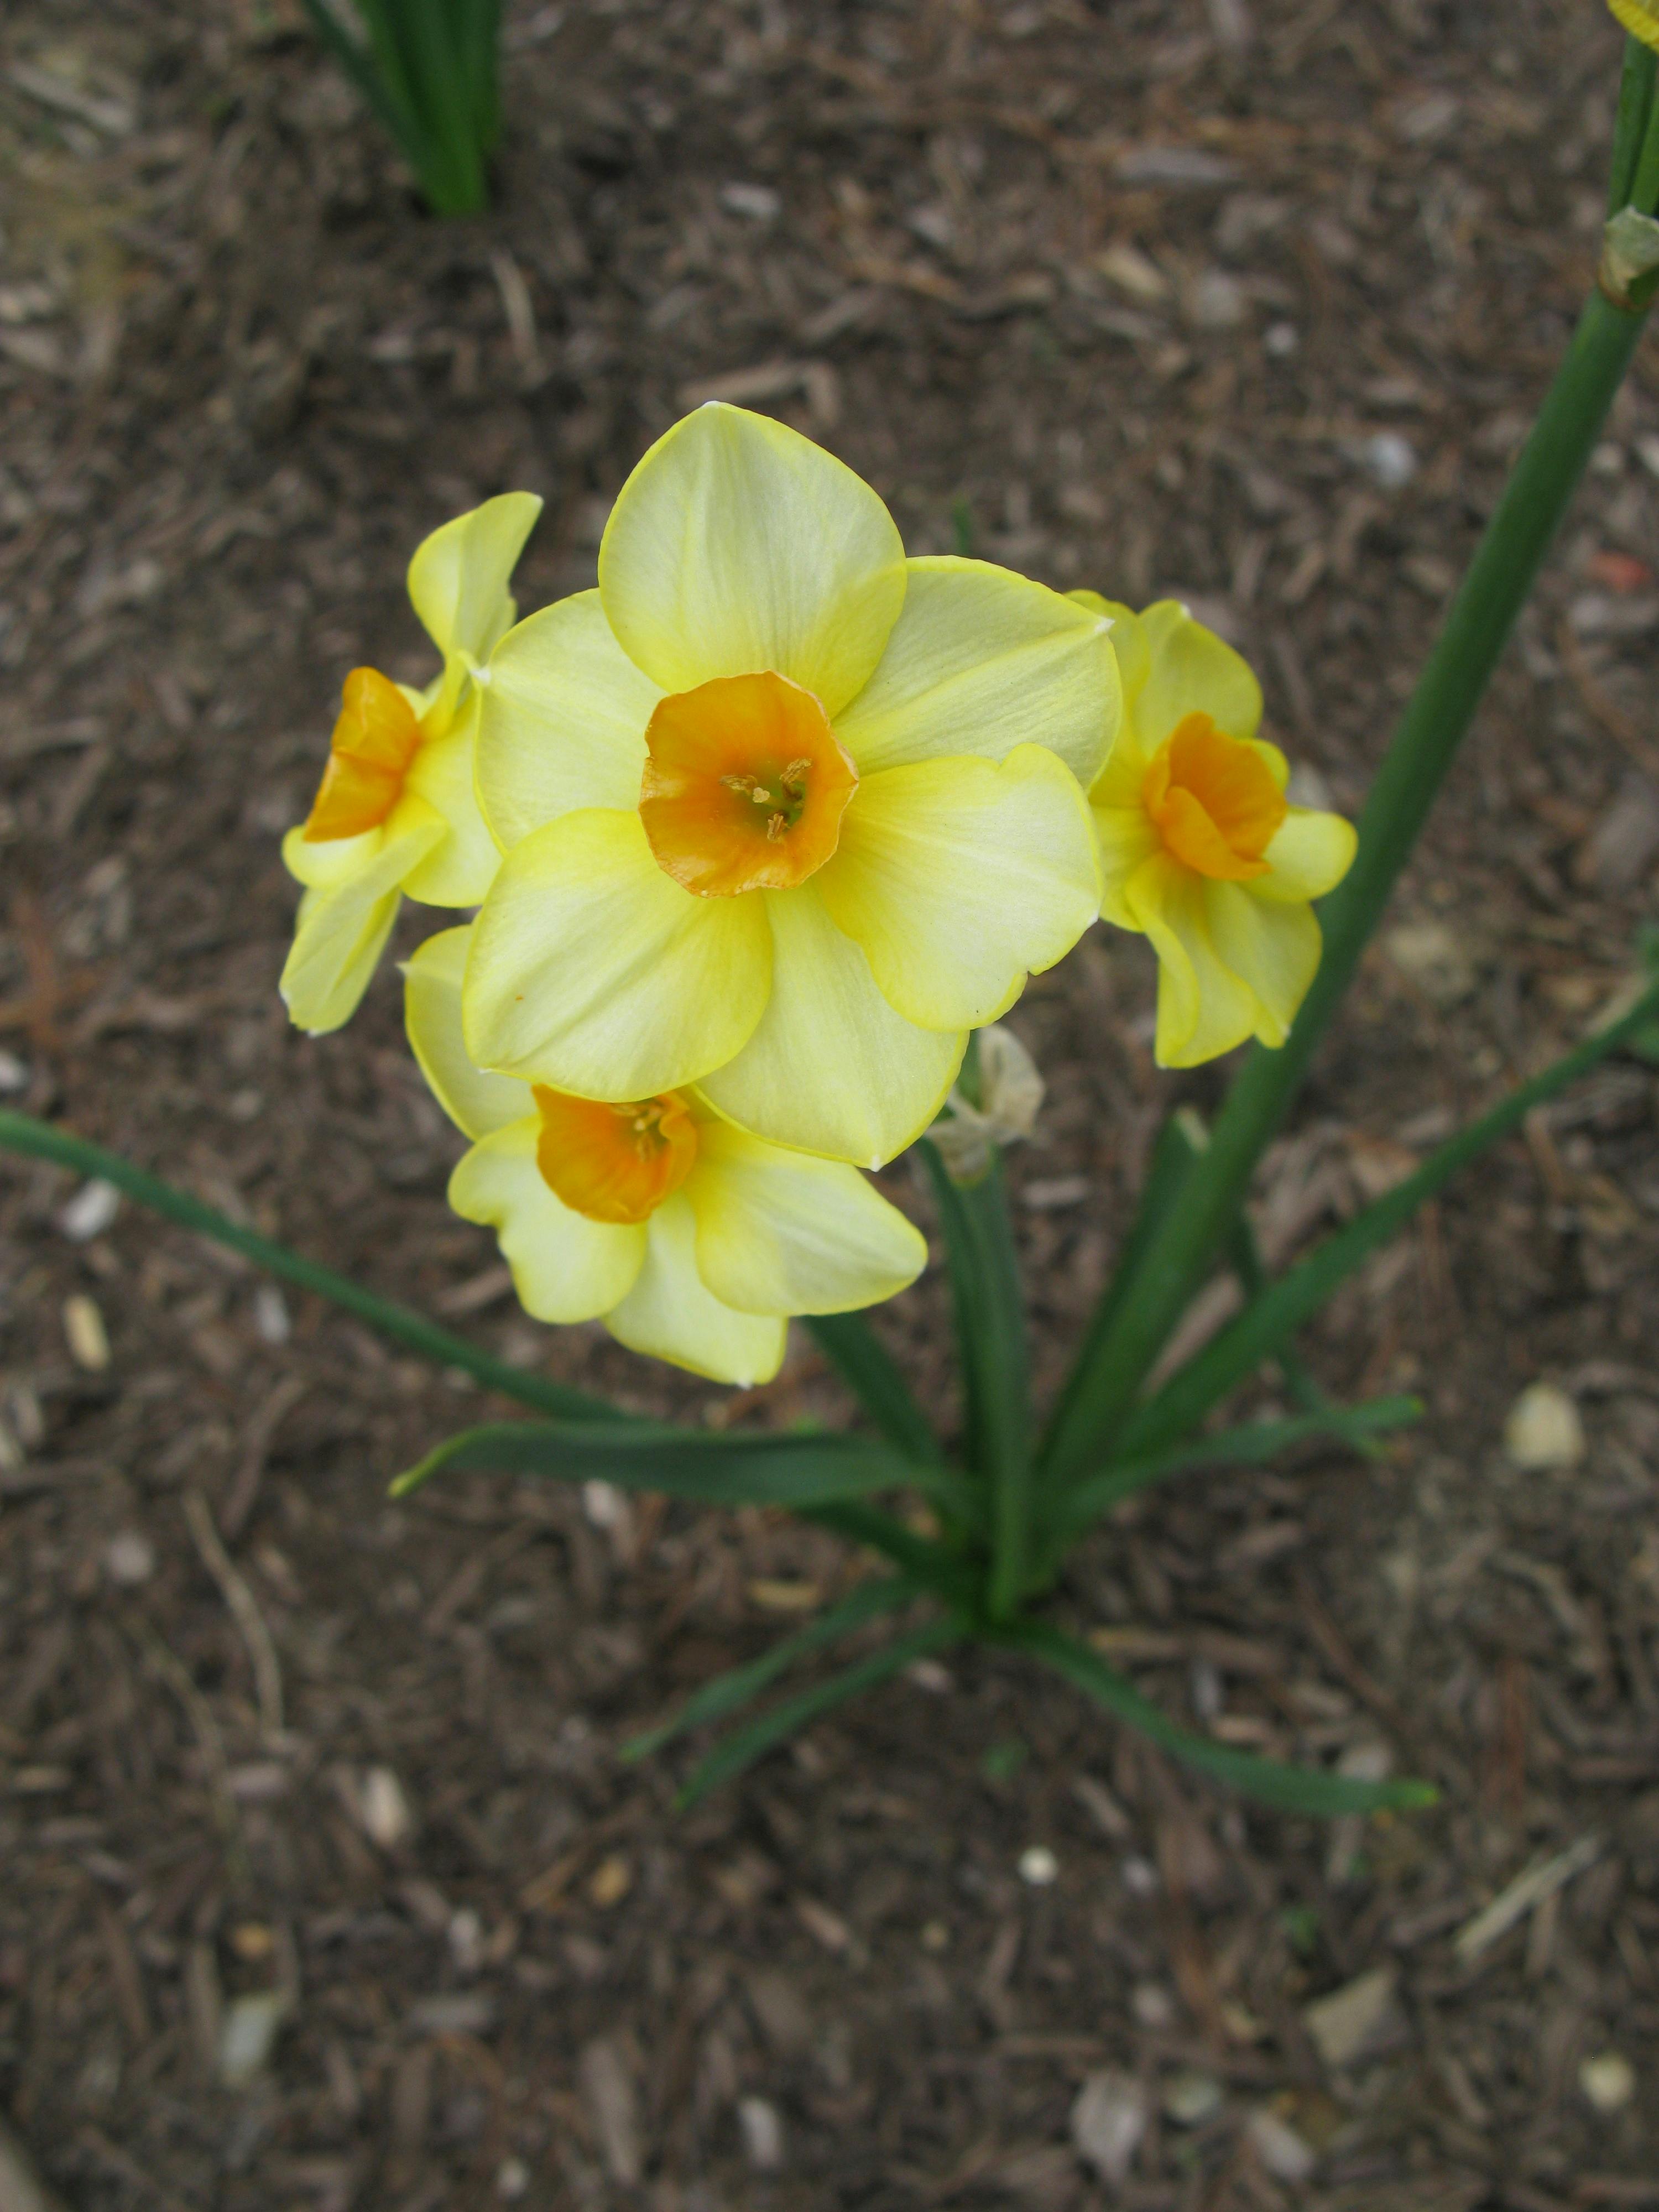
(1201, 850)
(688, 1238)
(396, 811)
(784, 814)
(1640, 18)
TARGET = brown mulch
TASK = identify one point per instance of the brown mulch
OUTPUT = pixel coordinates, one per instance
(1246, 300)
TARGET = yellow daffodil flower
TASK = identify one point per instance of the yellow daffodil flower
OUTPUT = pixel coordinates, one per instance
(1640, 18)
(688, 1238)
(784, 814)
(396, 812)
(1200, 851)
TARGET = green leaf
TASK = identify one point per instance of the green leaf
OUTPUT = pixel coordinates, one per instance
(1247, 1446)
(1272, 1782)
(1261, 1329)
(920, 1559)
(731, 1757)
(869, 1371)
(1254, 1279)
(726, 1692)
(991, 1335)
(430, 71)
(42, 1140)
(1178, 1146)
(792, 1470)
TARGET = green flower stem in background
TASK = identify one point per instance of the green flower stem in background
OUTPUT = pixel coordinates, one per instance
(1265, 1326)
(1441, 710)
(429, 70)
(991, 1331)
(21, 1133)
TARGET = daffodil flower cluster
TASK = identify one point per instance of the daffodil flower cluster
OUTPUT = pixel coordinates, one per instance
(757, 832)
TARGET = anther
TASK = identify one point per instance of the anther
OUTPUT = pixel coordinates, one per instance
(776, 828)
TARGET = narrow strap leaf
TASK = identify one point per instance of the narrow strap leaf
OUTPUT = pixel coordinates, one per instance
(793, 1471)
(1261, 1329)
(919, 1557)
(991, 1332)
(1247, 1446)
(742, 1750)
(21, 1133)
(1271, 1781)
(359, 63)
(1254, 1279)
(1173, 1157)
(869, 1371)
(726, 1692)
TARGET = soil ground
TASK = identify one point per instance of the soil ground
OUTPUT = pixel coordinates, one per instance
(1245, 299)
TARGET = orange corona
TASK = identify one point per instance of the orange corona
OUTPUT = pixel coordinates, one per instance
(744, 785)
(1215, 801)
(374, 740)
(614, 1163)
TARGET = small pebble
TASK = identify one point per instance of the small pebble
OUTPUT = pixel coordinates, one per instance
(1140, 1877)
(129, 1558)
(1543, 1434)
(762, 2134)
(1190, 2098)
(1280, 340)
(1280, 2148)
(1152, 2005)
(90, 1212)
(247, 2035)
(1038, 1866)
(86, 1335)
(511, 2180)
(1608, 2079)
(610, 1882)
(1390, 459)
(271, 1315)
(15, 1074)
(1109, 2119)
(758, 203)
(383, 1809)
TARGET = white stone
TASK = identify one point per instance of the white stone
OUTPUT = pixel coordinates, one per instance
(1038, 1866)
(1109, 2119)
(762, 2134)
(1280, 2148)
(247, 2035)
(1543, 1434)
(129, 1558)
(1608, 2079)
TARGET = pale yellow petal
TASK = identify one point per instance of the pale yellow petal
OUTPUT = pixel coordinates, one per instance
(671, 1314)
(352, 895)
(1127, 836)
(593, 971)
(461, 867)
(458, 577)
(1271, 948)
(565, 1267)
(982, 660)
(1128, 638)
(1203, 1008)
(737, 545)
(779, 1232)
(832, 1069)
(563, 721)
(959, 877)
(476, 1100)
(1309, 855)
(1191, 671)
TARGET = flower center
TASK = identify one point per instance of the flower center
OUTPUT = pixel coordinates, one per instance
(1214, 800)
(744, 785)
(614, 1163)
(374, 740)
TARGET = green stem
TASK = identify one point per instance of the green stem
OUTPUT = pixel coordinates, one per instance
(1441, 710)
(21, 1133)
(1635, 91)
(991, 1332)
(1294, 1299)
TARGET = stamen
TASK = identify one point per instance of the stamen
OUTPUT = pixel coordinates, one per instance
(776, 828)
(794, 777)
